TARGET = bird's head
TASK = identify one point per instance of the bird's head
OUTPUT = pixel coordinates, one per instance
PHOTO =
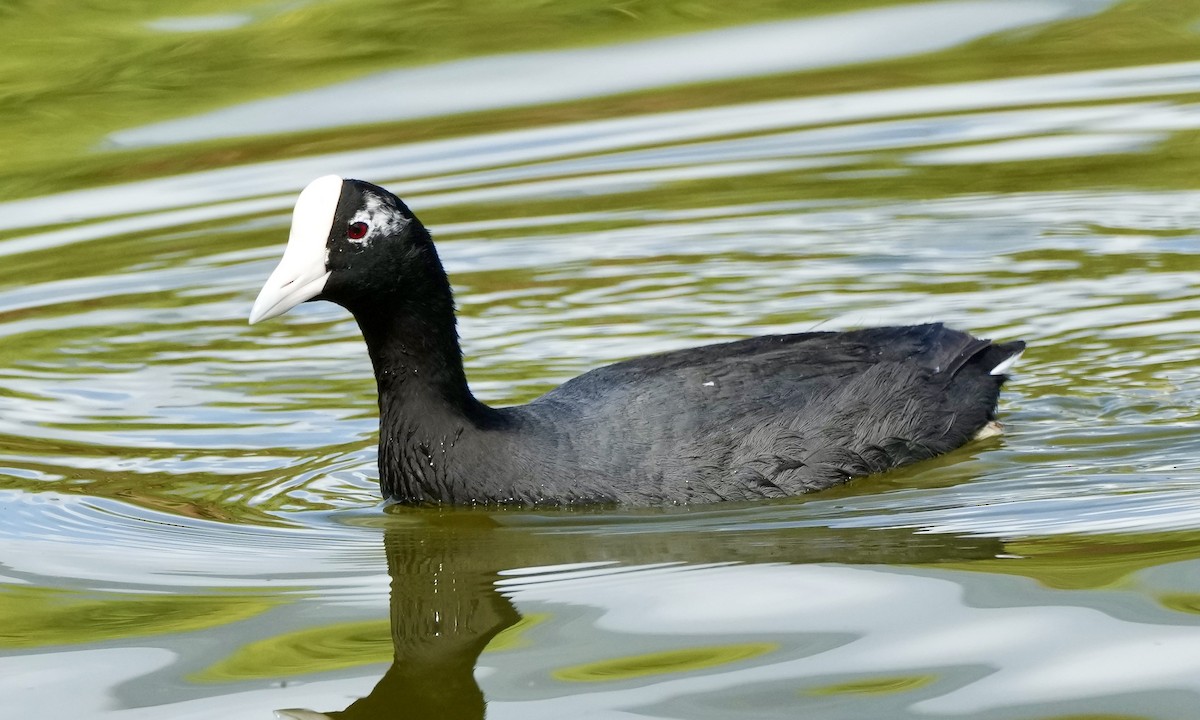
(352, 243)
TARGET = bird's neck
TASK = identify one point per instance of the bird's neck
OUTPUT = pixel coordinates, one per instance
(426, 408)
(417, 357)
(411, 333)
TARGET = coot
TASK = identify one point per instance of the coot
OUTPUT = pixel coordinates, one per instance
(767, 417)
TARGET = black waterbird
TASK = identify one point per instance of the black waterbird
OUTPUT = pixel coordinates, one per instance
(767, 417)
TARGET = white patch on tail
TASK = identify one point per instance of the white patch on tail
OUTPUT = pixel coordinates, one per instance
(1007, 364)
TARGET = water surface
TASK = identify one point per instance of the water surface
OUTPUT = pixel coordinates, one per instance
(189, 518)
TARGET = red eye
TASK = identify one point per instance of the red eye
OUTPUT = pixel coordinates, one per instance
(357, 231)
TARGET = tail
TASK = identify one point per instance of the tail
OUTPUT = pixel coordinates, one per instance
(983, 355)
(999, 359)
(989, 367)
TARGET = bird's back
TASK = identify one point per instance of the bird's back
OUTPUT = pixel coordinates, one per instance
(770, 416)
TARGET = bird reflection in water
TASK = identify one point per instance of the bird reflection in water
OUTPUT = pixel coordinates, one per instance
(446, 608)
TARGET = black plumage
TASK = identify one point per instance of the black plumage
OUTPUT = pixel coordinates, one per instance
(771, 416)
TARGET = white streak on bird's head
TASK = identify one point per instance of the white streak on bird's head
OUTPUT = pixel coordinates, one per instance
(302, 273)
(381, 218)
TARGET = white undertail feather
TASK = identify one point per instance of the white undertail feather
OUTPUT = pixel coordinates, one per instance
(1007, 364)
